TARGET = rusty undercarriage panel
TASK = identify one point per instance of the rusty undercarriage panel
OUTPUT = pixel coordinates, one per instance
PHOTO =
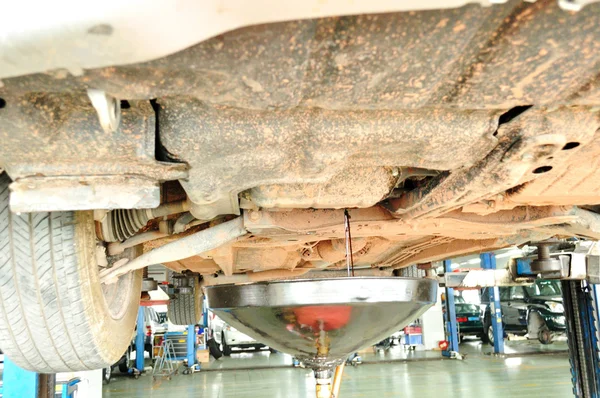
(444, 132)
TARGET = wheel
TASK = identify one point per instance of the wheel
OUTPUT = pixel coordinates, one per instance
(55, 315)
(483, 336)
(225, 348)
(186, 309)
(126, 364)
(537, 328)
(106, 374)
(272, 350)
(149, 348)
(214, 349)
(545, 336)
(489, 333)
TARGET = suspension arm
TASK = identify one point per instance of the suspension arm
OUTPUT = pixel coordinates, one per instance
(191, 245)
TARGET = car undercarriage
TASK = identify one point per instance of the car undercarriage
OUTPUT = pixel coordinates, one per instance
(441, 132)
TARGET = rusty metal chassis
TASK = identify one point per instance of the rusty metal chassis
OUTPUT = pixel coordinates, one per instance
(450, 235)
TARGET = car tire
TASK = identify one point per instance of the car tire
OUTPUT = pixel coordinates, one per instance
(489, 334)
(149, 348)
(214, 349)
(537, 328)
(55, 315)
(106, 375)
(225, 348)
(545, 336)
(483, 336)
(125, 366)
(186, 309)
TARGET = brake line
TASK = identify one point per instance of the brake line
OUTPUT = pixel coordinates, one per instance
(349, 258)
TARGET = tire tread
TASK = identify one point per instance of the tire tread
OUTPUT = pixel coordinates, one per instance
(185, 309)
(44, 324)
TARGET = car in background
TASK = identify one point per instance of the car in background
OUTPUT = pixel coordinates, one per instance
(227, 337)
(155, 324)
(536, 311)
(154, 328)
(468, 318)
(125, 364)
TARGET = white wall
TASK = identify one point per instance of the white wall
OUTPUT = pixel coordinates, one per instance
(433, 324)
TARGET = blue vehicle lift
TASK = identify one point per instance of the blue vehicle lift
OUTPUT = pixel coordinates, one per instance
(21, 383)
(450, 317)
(488, 261)
(140, 338)
(580, 300)
(191, 346)
(17, 382)
(579, 273)
(177, 347)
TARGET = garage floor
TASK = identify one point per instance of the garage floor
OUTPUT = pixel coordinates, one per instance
(260, 374)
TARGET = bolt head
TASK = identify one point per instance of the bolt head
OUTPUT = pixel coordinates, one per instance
(527, 157)
(254, 215)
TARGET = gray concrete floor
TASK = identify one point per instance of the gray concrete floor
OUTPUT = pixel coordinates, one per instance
(530, 370)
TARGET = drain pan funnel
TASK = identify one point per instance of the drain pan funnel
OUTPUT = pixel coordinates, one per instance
(322, 321)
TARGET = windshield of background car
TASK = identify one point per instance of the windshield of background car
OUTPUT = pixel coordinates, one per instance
(472, 308)
(544, 288)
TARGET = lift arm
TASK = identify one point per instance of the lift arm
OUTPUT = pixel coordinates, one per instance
(580, 300)
(577, 267)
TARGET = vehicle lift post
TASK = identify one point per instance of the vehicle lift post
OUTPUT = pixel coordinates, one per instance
(139, 341)
(582, 314)
(191, 346)
(20, 383)
(450, 315)
(488, 261)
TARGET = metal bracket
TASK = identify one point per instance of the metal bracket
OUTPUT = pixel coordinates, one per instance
(574, 266)
(592, 266)
(478, 278)
(108, 109)
(149, 284)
